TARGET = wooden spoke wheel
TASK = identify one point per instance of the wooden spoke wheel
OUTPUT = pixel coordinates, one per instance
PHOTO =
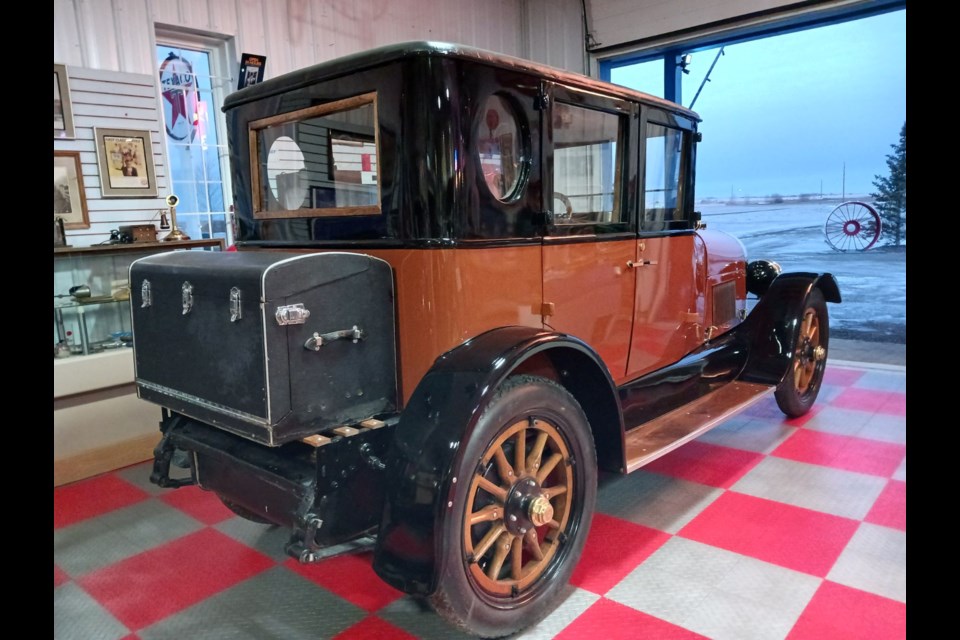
(518, 504)
(799, 388)
(524, 499)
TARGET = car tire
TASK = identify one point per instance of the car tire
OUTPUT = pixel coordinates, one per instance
(516, 525)
(798, 390)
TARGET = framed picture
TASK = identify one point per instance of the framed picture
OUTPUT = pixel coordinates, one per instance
(69, 201)
(125, 159)
(251, 70)
(62, 109)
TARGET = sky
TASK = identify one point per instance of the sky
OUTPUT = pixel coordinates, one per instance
(802, 113)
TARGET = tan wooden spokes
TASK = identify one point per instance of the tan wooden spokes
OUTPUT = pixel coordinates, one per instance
(809, 351)
(519, 503)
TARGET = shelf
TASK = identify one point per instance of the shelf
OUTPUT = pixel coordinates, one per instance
(88, 302)
(135, 247)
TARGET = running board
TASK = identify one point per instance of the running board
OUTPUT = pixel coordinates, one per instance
(660, 436)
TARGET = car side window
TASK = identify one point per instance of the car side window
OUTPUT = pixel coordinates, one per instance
(665, 164)
(587, 165)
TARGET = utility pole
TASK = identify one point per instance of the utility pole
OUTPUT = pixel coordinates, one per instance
(844, 183)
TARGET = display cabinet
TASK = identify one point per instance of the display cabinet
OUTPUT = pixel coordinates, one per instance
(99, 422)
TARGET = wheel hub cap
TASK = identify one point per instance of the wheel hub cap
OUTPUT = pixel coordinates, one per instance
(541, 511)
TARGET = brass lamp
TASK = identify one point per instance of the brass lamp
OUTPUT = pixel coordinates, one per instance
(175, 232)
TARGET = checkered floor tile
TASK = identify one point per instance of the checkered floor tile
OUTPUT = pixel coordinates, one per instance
(763, 528)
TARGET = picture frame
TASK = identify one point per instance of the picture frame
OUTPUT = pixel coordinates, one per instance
(251, 70)
(125, 161)
(62, 106)
(69, 199)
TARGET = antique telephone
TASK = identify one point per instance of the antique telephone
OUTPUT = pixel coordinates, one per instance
(175, 232)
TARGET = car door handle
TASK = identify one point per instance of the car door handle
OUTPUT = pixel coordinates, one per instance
(636, 264)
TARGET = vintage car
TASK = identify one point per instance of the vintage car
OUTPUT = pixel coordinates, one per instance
(464, 284)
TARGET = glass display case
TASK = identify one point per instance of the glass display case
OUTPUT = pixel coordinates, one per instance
(91, 295)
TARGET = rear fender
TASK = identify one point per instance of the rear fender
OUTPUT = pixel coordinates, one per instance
(774, 323)
(442, 414)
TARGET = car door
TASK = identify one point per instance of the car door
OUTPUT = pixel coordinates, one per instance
(670, 265)
(590, 234)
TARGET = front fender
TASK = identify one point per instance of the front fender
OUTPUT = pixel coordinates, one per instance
(774, 322)
(441, 414)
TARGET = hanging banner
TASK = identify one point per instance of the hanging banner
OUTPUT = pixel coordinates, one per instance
(251, 70)
(180, 98)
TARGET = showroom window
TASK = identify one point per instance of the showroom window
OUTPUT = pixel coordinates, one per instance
(192, 87)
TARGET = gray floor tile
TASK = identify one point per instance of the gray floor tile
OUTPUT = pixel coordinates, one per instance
(77, 616)
(275, 605)
(828, 393)
(886, 428)
(574, 603)
(717, 593)
(875, 561)
(883, 381)
(267, 539)
(417, 617)
(120, 534)
(841, 493)
(842, 422)
(654, 500)
(750, 434)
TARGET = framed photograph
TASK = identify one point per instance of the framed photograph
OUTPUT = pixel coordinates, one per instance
(125, 159)
(69, 201)
(62, 110)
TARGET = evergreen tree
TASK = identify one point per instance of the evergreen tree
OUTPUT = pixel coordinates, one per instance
(891, 194)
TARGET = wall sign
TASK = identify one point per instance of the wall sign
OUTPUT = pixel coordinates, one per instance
(251, 70)
(180, 99)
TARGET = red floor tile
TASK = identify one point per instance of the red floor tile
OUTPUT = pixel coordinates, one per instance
(843, 452)
(205, 506)
(613, 549)
(155, 584)
(887, 402)
(890, 509)
(836, 611)
(373, 628)
(613, 621)
(351, 577)
(707, 464)
(75, 502)
(840, 376)
(805, 418)
(59, 576)
(788, 536)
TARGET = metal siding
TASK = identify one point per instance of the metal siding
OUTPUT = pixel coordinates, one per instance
(98, 34)
(67, 45)
(223, 17)
(555, 33)
(136, 53)
(165, 12)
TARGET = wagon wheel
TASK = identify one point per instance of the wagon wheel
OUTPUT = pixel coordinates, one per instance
(852, 226)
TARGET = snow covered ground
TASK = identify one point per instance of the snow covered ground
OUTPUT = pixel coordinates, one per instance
(873, 283)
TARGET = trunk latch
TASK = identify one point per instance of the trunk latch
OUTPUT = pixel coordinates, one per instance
(292, 314)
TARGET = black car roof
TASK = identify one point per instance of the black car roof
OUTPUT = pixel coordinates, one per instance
(382, 55)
